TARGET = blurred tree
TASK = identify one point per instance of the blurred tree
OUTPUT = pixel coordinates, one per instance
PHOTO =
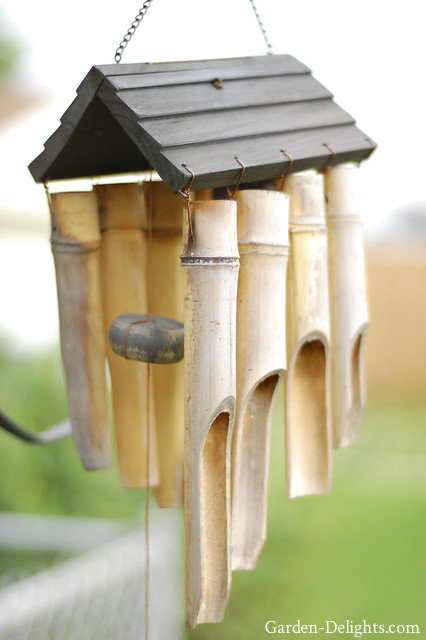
(10, 51)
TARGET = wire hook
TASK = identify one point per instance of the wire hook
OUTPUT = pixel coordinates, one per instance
(231, 194)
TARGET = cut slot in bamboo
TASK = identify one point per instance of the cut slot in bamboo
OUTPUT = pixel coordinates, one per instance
(167, 301)
(307, 404)
(210, 261)
(261, 359)
(75, 244)
(123, 266)
(348, 302)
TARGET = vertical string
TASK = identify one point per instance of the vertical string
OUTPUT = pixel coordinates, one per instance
(148, 409)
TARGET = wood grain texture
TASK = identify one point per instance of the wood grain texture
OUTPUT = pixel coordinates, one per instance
(123, 271)
(167, 300)
(348, 302)
(235, 94)
(261, 361)
(307, 384)
(75, 245)
(155, 114)
(210, 265)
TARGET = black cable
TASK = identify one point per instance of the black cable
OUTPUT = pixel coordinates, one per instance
(53, 434)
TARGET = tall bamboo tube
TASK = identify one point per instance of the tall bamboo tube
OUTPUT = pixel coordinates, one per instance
(75, 243)
(348, 302)
(167, 300)
(210, 261)
(261, 360)
(307, 402)
(123, 266)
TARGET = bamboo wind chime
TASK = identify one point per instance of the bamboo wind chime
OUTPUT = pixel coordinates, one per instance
(202, 306)
(249, 323)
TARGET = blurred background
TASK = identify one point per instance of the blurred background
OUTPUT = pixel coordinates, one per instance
(356, 554)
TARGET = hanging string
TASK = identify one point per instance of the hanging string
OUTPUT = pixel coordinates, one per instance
(148, 407)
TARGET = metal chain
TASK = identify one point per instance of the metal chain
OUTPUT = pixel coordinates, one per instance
(262, 28)
(131, 30)
(142, 12)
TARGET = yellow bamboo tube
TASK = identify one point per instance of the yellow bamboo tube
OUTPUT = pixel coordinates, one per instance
(167, 300)
(123, 266)
(348, 302)
(75, 244)
(210, 262)
(261, 359)
(307, 392)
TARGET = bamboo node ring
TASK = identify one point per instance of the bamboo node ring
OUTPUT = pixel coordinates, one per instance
(231, 194)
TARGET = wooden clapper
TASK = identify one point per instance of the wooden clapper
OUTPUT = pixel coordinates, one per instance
(261, 356)
(348, 301)
(307, 386)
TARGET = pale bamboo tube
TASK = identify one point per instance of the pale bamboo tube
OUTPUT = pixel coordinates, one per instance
(348, 302)
(123, 266)
(261, 359)
(210, 262)
(167, 300)
(75, 244)
(307, 393)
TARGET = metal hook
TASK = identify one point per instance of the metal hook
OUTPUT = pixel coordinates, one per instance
(289, 165)
(243, 168)
(185, 194)
(333, 155)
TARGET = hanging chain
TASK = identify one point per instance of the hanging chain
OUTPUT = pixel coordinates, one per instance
(131, 30)
(262, 28)
(142, 12)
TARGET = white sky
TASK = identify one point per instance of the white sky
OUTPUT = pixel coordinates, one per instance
(370, 54)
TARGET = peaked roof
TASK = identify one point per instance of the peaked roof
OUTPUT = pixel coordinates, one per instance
(204, 114)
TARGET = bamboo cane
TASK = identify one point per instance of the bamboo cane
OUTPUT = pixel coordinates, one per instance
(307, 403)
(123, 258)
(261, 360)
(348, 302)
(167, 300)
(210, 261)
(75, 244)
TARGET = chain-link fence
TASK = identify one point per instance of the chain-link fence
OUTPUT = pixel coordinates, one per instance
(98, 594)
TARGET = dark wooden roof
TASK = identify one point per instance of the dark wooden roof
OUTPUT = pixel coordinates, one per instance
(203, 114)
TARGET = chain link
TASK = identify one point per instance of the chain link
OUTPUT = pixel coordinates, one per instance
(131, 30)
(262, 28)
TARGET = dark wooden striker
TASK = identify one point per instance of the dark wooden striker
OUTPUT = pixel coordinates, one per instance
(203, 114)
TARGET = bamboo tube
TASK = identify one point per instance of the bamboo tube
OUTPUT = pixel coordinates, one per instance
(75, 244)
(210, 261)
(307, 403)
(167, 300)
(123, 256)
(261, 360)
(348, 302)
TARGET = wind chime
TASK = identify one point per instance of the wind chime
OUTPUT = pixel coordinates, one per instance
(267, 278)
